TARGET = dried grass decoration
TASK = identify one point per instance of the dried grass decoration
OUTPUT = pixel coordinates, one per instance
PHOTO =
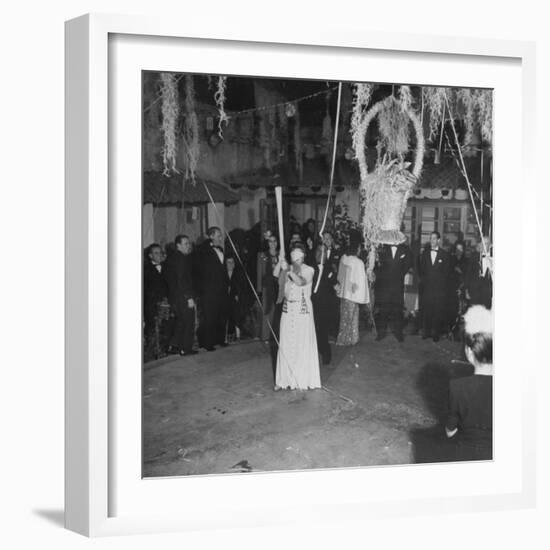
(384, 192)
(475, 104)
(219, 98)
(170, 114)
(190, 131)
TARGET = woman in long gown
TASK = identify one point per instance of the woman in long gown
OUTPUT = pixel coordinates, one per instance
(353, 290)
(297, 359)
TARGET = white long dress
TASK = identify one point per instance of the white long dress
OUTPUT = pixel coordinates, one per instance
(298, 360)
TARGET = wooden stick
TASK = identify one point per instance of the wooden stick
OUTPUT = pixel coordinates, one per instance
(279, 200)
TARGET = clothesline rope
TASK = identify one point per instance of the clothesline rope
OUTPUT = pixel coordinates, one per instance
(253, 109)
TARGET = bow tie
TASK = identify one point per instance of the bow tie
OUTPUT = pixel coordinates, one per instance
(217, 247)
(435, 249)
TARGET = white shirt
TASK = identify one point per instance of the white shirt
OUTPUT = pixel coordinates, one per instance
(393, 251)
(351, 271)
(434, 255)
(219, 253)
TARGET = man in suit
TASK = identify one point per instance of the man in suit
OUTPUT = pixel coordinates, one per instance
(393, 263)
(325, 302)
(479, 276)
(434, 274)
(181, 295)
(213, 283)
(154, 289)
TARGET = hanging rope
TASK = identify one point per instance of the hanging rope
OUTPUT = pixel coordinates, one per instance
(457, 162)
(329, 196)
(465, 174)
(253, 109)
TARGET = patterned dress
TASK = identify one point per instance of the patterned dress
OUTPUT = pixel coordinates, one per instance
(298, 360)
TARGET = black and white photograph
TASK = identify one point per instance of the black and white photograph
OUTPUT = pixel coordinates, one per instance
(275, 252)
(317, 274)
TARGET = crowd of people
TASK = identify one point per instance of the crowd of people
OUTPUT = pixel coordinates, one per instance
(309, 297)
(209, 296)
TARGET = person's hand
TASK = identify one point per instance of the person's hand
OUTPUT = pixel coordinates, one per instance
(190, 303)
(450, 433)
(284, 265)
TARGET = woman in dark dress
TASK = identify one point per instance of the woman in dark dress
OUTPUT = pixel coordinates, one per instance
(267, 286)
(309, 238)
(459, 268)
(470, 420)
(236, 303)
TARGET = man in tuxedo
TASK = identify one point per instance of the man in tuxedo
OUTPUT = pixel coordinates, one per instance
(181, 295)
(325, 302)
(479, 276)
(213, 283)
(393, 263)
(154, 289)
(434, 274)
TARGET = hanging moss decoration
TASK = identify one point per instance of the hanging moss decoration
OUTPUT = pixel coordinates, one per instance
(153, 140)
(219, 98)
(282, 120)
(264, 141)
(190, 131)
(393, 125)
(298, 143)
(405, 98)
(484, 102)
(361, 97)
(434, 100)
(272, 122)
(170, 114)
(327, 135)
(476, 106)
(465, 97)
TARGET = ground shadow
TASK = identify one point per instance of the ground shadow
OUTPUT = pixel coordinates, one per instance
(431, 444)
(57, 517)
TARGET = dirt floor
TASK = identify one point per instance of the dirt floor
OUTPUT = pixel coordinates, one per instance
(217, 412)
